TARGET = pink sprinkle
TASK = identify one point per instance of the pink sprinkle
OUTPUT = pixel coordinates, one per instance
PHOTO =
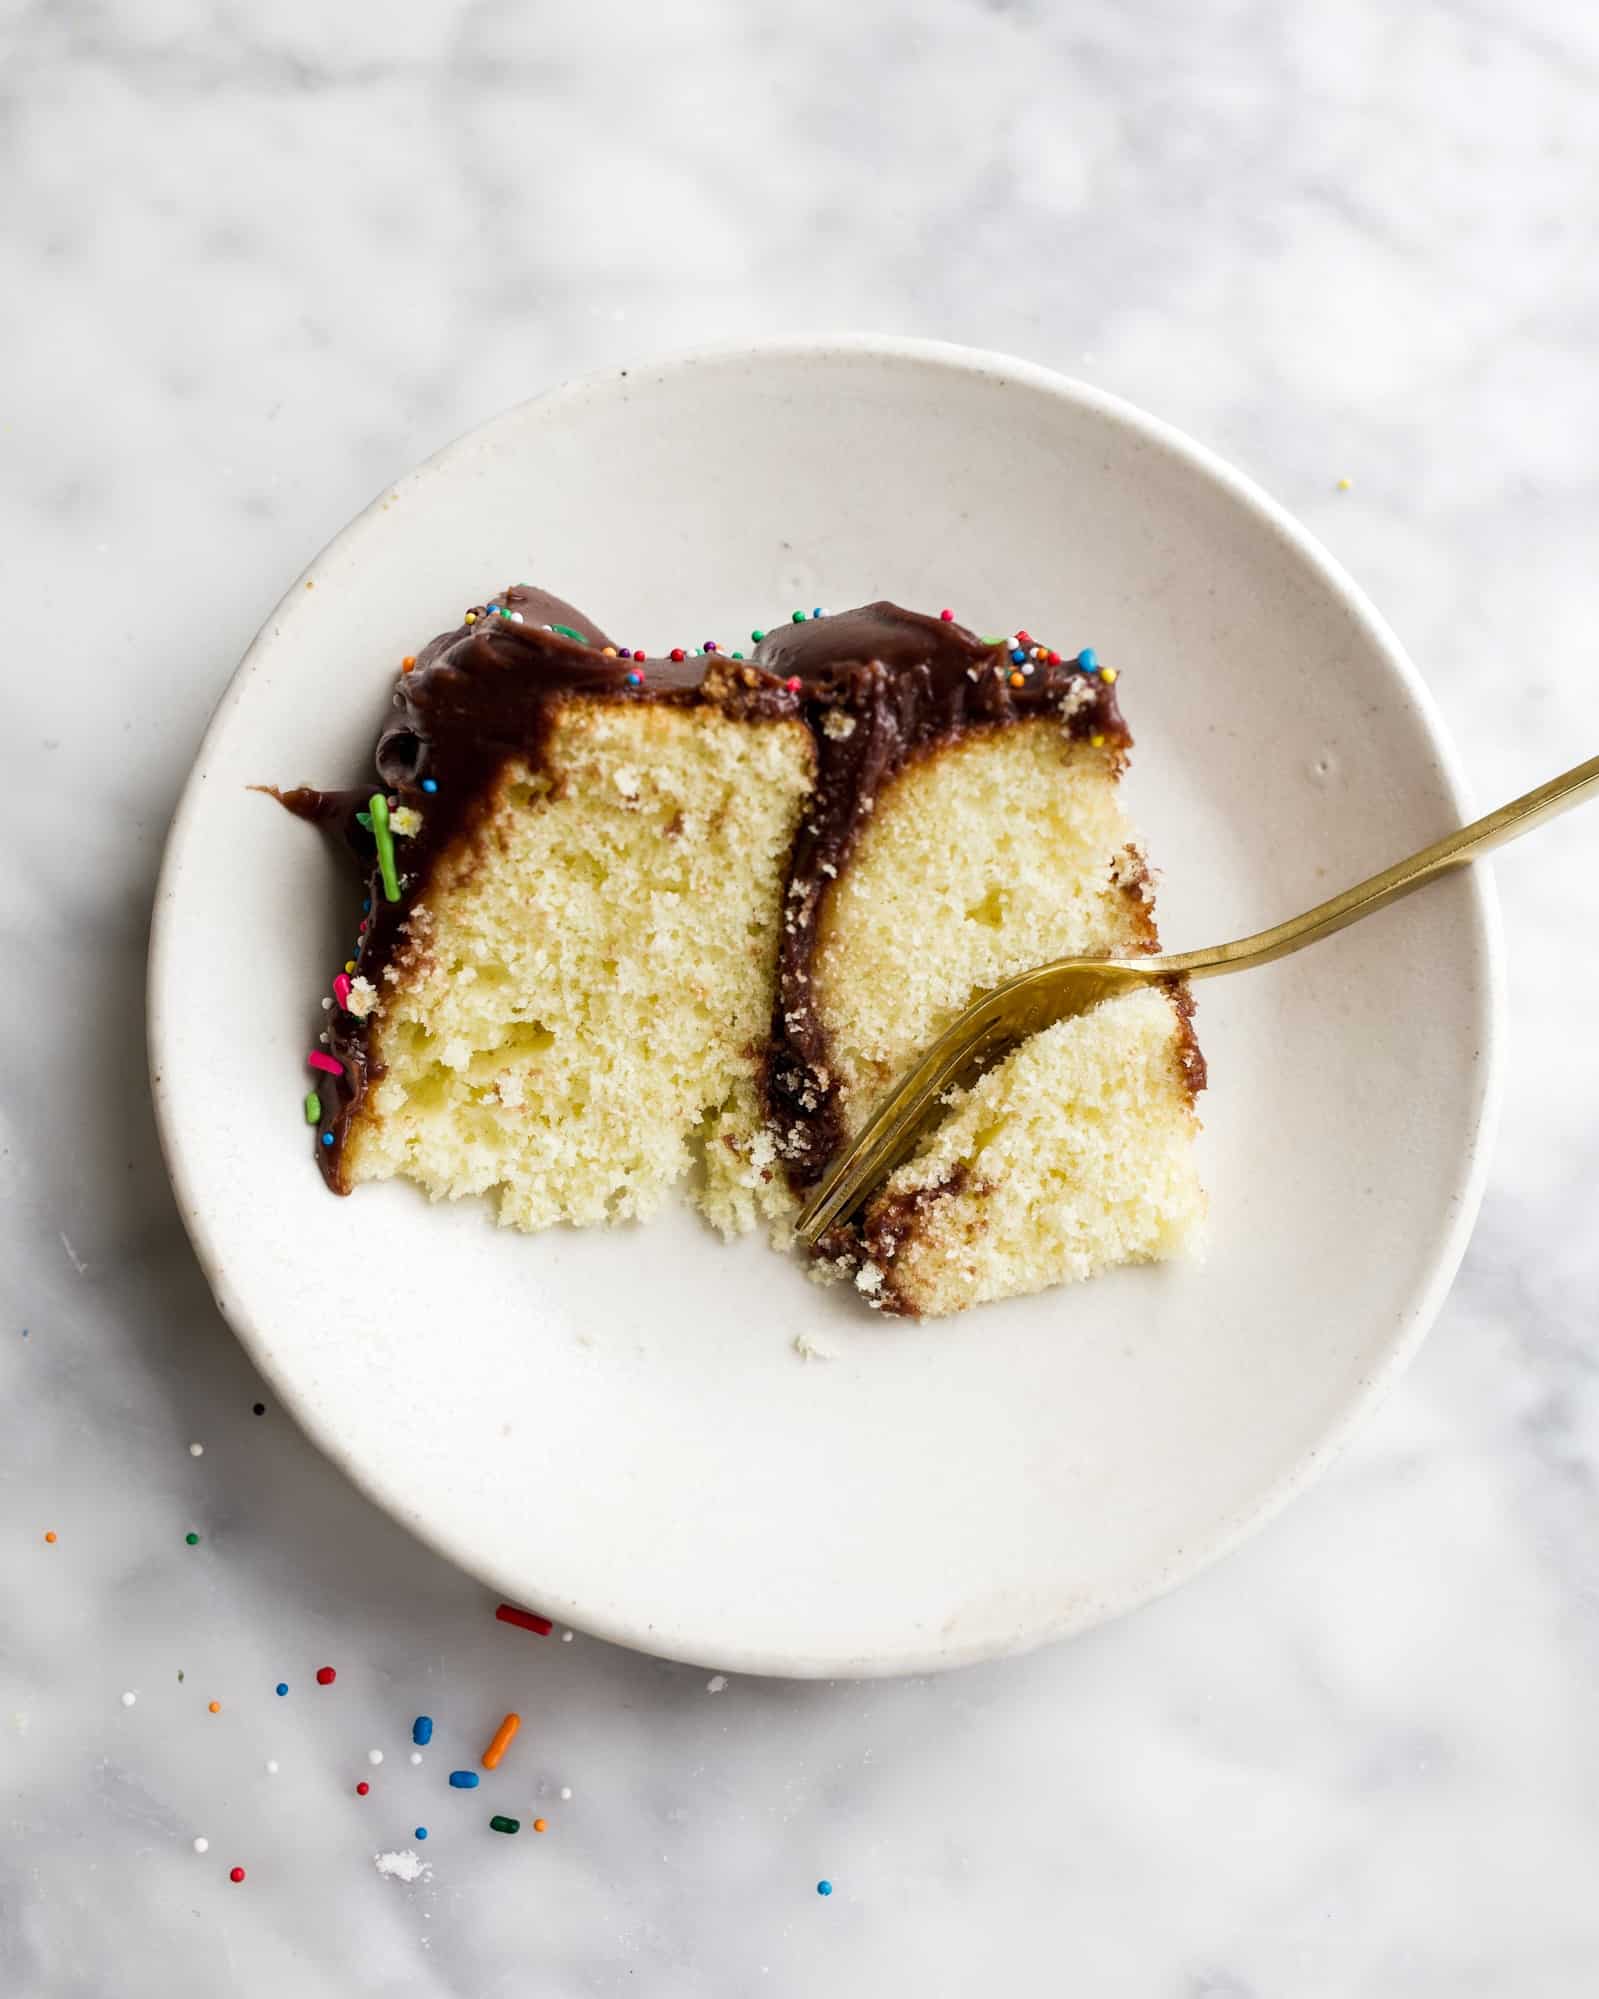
(793, 683)
(341, 989)
(947, 616)
(318, 1060)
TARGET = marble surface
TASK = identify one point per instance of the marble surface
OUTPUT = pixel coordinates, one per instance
(256, 263)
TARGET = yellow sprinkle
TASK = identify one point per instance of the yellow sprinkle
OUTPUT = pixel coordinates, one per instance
(1098, 742)
(471, 617)
(609, 651)
(349, 964)
(1344, 485)
(1107, 673)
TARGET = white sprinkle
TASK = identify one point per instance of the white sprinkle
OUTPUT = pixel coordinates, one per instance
(566, 1792)
(404, 1866)
(129, 1699)
(416, 1756)
(327, 1006)
(716, 1683)
(567, 1637)
(202, 1846)
(374, 1755)
(197, 1450)
(271, 1768)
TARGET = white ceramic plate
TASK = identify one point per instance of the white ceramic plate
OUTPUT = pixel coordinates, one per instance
(615, 1427)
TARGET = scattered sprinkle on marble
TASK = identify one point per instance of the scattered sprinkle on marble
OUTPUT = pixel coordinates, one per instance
(404, 1866)
(128, 1699)
(237, 1873)
(50, 1536)
(362, 1789)
(1344, 485)
(282, 1688)
(567, 1637)
(257, 1408)
(374, 1756)
(192, 1539)
(541, 1825)
(416, 1756)
(566, 1794)
(197, 1450)
(420, 1833)
(716, 1683)
(202, 1845)
(326, 1675)
(824, 1887)
(422, 1729)
(213, 1707)
(272, 1766)
(524, 1620)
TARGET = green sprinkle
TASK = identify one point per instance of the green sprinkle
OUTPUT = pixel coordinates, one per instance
(498, 1824)
(797, 617)
(995, 641)
(504, 611)
(757, 636)
(364, 819)
(385, 840)
(192, 1539)
(567, 632)
(313, 1107)
(738, 655)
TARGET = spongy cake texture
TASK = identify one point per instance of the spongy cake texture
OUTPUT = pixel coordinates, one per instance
(586, 987)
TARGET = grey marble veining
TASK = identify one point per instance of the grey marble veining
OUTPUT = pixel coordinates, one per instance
(253, 264)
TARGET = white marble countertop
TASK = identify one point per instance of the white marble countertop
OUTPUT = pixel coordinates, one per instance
(256, 263)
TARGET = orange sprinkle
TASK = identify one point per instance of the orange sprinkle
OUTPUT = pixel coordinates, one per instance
(309, 584)
(541, 1825)
(502, 1741)
(50, 1536)
(1018, 680)
(408, 662)
(214, 1707)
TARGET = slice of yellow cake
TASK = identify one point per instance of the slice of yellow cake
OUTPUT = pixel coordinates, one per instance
(635, 922)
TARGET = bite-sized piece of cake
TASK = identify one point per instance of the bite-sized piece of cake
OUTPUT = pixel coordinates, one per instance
(1071, 1156)
(639, 921)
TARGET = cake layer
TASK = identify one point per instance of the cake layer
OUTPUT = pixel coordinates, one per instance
(1072, 1156)
(587, 980)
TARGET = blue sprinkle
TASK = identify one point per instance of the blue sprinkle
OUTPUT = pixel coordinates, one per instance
(1088, 660)
(422, 1730)
(824, 1887)
(817, 612)
(421, 1832)
(366, 907)
(283, 1687)
(430, 784)
(463, 1780)
(327, 1138)
(1017, 654)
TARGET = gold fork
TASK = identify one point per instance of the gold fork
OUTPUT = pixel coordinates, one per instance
(1037, 999)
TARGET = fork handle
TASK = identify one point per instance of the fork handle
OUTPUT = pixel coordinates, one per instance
(1453, 851)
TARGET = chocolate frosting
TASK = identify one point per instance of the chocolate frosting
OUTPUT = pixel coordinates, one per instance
(876, 687)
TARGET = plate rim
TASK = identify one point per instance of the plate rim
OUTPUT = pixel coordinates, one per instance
(919, 1654)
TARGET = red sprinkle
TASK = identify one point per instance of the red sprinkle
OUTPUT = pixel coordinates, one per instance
(362, 1789)
(1054, 658)
(793, 683)
(325, 1676)
(318, 1060)
(947, 616)
(526, 1620)
(235, 1873)
(678, 653)
(639, 653)
(1024, 638)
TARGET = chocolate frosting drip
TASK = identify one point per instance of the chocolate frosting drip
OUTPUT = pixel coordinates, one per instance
(877, 687)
